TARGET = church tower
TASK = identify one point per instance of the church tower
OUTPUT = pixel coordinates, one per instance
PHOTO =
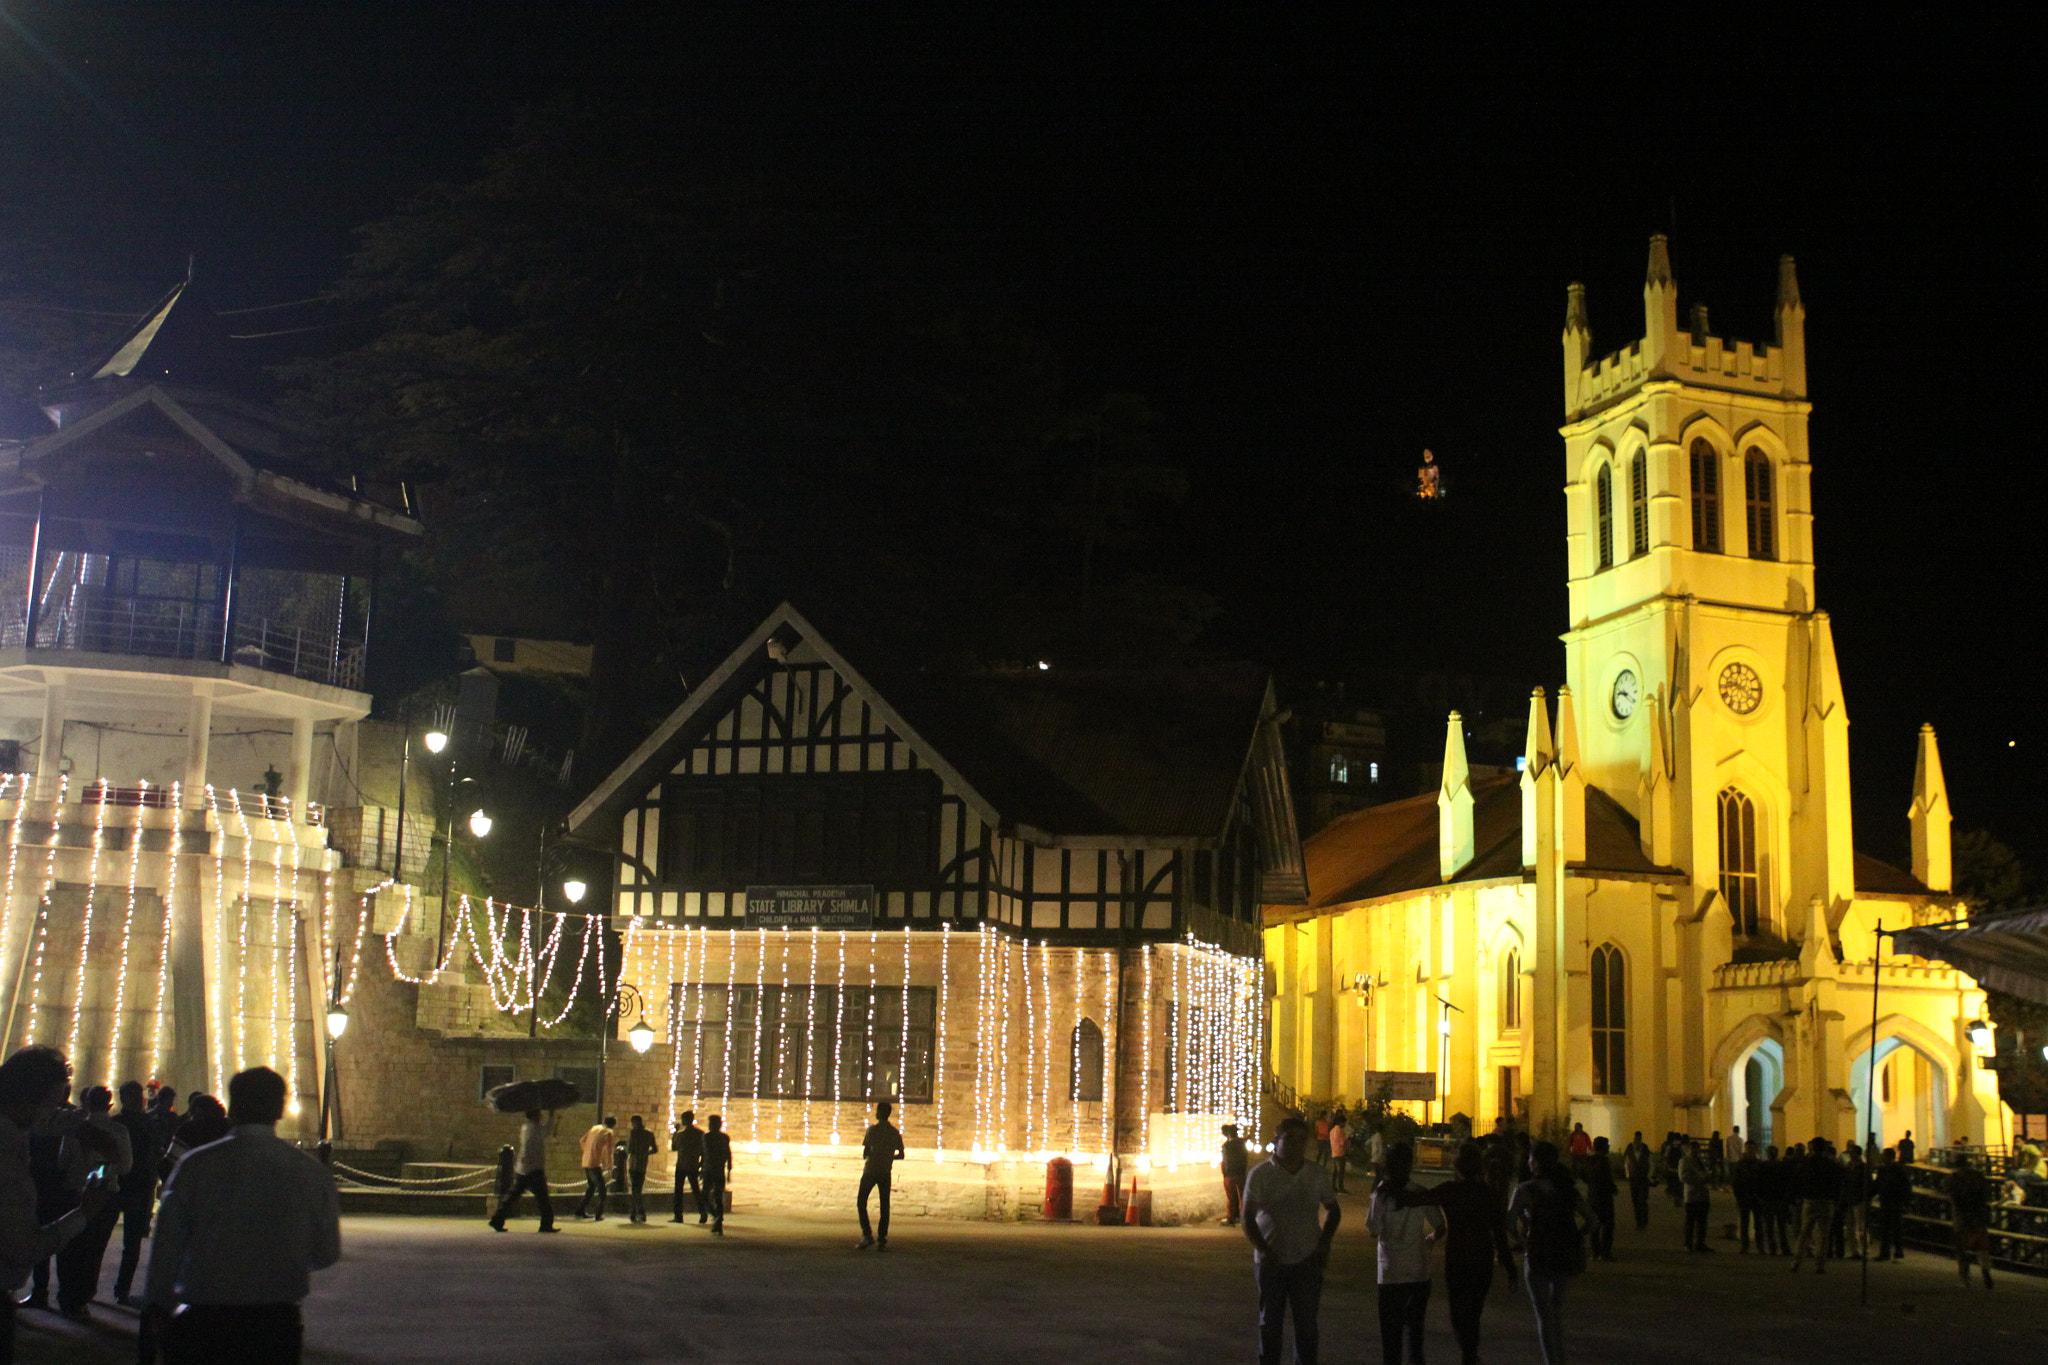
(1710, 701)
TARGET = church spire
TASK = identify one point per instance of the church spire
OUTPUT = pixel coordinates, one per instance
(1454, 803)
(1660, 306)
(1536, 755)
(1791, 327)
(1930, 816)
(1571, 823)
(1578, 344)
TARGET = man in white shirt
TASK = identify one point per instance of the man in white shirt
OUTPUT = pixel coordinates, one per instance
(1282, 1200)
(243, 1224)
(529, 1173)
(33, 1083)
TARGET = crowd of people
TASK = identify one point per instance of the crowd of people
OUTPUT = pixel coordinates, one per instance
(236, 1218)
(1541, 1213)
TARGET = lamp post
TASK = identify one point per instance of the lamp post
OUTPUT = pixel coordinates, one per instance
(337, 1024)
(1443, 1056)
(641, 1035)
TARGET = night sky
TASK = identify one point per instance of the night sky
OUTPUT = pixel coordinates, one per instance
(1315, 246)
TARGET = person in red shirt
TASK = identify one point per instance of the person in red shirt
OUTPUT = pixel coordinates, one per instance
(1323, 1139)
(1582, 1141)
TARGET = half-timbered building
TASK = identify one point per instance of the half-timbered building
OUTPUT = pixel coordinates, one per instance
(1023, 905)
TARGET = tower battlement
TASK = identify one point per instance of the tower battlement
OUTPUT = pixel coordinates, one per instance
(1684, 349)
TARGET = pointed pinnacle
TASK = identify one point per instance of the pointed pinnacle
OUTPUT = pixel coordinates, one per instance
(1788, 287)
(1660, 259)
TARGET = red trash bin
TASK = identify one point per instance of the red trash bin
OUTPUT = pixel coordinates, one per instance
(1059, 1190)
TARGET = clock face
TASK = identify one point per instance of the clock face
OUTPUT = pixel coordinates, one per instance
(1628, 690)
(1741, 690)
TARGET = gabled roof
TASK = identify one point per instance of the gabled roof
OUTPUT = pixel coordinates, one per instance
(1111, 754)
(1875, 877)
(1391, 849)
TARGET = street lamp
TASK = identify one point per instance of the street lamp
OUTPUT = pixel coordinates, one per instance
(436, 740)
(1980, 1035)
(574, 889)
(640, 1035)
(337, 1020)
(479, 823)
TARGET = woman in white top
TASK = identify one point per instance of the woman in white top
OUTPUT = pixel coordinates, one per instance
(1405, 1237)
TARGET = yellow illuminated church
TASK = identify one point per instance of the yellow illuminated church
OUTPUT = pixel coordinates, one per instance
(1661, 923)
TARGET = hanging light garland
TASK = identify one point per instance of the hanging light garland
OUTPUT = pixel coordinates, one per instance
(1145, 1074)
(1110, 1004)
(782, 1038)
(939, 1062)
(981, 1011)
(810, 1034)
(42, 932)
(241, 1005)
(113, 1070)
(163, 966)
(1030, 1049)
(838, 1034)
(19, 780)
(216, 981)
(92, 887)
(1003, 1065)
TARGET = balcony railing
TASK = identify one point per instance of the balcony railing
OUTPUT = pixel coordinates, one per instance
(254, 805)
(161, 628)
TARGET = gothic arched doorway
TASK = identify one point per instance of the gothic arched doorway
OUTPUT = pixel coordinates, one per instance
(1754, 1081)
(1912, 1095)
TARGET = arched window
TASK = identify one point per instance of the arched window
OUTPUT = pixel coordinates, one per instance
(1740, 885)
(1706, 497)
(1603, 511)
(1511, 989)
(1610, 1021)
(1087, 1060)
(1639, 505)
(1756, 478)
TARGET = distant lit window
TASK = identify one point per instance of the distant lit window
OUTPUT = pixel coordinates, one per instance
(1706, 497)
(1610, 1021)
(1521, 763)
(1638, 506)
(1373, 770)
(1340, 769)
(1756, 475)
(1603, 510)
(1511, 989)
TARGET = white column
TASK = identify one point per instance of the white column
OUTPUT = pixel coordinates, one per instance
(300, 774)
(198, 743)
(50, 752)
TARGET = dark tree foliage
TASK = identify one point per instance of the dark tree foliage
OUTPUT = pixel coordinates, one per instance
(654, 382)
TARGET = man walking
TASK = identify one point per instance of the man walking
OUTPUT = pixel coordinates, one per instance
(1745, 1179)
(717, 1167)
(137, 1197)
(1236, 1162)
(1819, 1180)
(1600, 1194)
(104, 1141)
(596, 1146)
(1635, 1166)
(529, 1172)
(1340, 1140)
(880, 1150)
(1696, 1174)
(1969, 1200)
(1281, 1199)
(33, 1083)
(244, 1222)
(687, 1142)
(639, 1146)
(1894, 1191)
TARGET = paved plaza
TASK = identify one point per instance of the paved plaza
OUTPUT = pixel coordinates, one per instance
(790, 1289)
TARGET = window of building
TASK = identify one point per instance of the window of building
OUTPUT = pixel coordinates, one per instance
(785, 1038)
(493, 1075)
(1511, 989)
(727, 833)
(1373, 771)
(1639, 505)
(1741, 887)
(1603, 514)
(1340, 768)
(1706, 497)
(1756, 477)
(504, 651)
(1087, 1061)
(584, 1078)
(1610, 1021)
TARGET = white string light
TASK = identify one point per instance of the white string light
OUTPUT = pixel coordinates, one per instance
(760, 1002)
(732, 981)
(980, 1147)
(241, 1007)
(810, 1034)
(903, 1047)
(1030, 1051)
(42, 932)
(782, 1038)
(163, 966)
(127, 935)
(838, 1034)
(1003, 1070)
(1074, 1059)
(13, 861)
(92, 887)
(868, 1037)
(1109, 1031)
(1045, 1052)
(277, 954)
(939, 1062)
(1145, 1074)
(216, 980)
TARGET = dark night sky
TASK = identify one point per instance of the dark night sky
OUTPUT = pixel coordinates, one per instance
(1316, 246)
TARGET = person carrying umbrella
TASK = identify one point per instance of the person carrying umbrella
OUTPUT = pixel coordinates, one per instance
(529, 1173)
